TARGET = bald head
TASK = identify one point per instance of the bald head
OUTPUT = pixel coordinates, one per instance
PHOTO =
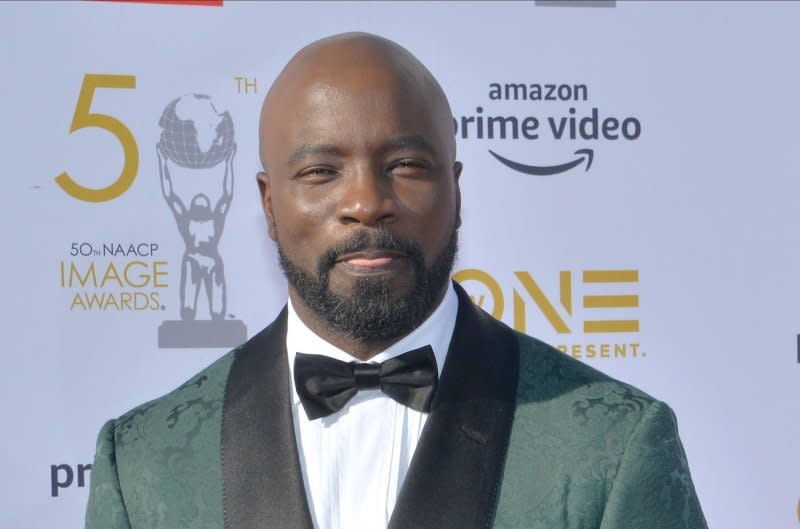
(359, 65)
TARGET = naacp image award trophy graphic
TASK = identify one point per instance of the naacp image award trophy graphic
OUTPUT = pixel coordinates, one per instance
(195, 159)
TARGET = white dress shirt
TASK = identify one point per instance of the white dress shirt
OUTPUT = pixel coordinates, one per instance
(354, 461)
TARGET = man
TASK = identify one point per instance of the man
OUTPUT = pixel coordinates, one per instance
(381, 396)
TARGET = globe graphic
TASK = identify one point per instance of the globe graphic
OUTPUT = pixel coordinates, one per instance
(194, 134)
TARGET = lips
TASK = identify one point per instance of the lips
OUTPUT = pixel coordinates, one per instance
(371, 259)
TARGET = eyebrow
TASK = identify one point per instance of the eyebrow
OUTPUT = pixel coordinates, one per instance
(412, 140)
(415, 141)
(305, 150)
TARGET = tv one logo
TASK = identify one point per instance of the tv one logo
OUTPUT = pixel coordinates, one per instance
(608, 301)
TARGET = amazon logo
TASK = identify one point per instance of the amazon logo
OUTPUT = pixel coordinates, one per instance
(504, 123)
(545, 170)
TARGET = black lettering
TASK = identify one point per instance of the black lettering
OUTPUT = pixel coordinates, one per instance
(465, 120)
(517, 89)
(479, 122)
(589, 134)
(572, 127)
(536, 92)
(503, 121)
(558, 131)
(529, 125)
(609, 126)
(55, 482)
(495, 92)
(82, 470)
(581, 92)
(635, 125)
(564, 95)
(549, 95)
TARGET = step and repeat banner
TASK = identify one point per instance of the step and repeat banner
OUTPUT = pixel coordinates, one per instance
(631, 195)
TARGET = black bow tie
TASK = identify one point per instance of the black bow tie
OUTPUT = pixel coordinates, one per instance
(325, 384)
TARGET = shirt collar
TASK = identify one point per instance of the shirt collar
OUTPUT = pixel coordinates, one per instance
(436, 331)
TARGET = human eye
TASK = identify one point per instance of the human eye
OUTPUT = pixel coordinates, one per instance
(410, 167)
(317, 174)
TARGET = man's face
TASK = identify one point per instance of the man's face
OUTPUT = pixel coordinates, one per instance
(362, 198)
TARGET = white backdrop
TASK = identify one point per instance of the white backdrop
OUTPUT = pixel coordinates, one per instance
(697, 212)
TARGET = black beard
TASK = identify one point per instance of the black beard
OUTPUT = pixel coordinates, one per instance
(373, 312)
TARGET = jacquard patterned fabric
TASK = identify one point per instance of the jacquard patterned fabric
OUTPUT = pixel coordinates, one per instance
(586, 452)
(589, 452)
(158, 466)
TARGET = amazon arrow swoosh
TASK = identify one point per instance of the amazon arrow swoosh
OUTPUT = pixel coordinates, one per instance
(587, 154)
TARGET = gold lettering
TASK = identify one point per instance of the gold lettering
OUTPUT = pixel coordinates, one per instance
(610, 276)
(154, 303)
(125, 299)
(565, 282)
(474, 274)
(144, 278)
(77, 300)
(157, 272)
(601, 326)
(111, 300)
(93, 300)
(597, 302)
(74, 272)
(542, 302)
(111, 275)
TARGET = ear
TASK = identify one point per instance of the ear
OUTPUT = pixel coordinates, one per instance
(266, 203)
(457, 167)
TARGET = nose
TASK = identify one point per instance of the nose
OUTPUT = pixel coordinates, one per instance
(368, 198)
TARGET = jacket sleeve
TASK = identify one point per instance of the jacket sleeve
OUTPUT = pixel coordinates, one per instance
(652, 488)
(106, 509)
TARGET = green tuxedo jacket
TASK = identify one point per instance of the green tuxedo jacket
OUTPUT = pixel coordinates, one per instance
(519, 435)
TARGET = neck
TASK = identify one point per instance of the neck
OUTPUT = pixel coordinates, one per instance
(360, 349)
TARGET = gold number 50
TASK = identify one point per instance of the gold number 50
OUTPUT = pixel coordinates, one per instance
(84, 118)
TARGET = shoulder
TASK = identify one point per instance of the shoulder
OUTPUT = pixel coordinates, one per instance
(579, 396)
(181, 410)
(546, 372)
(587, 449)
(572, 408)
(196, 405)
(161, 448)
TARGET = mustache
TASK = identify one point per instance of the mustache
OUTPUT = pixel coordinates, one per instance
(380, 239)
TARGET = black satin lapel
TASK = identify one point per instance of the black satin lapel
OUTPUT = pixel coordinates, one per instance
(262, 482)
(455, 474)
